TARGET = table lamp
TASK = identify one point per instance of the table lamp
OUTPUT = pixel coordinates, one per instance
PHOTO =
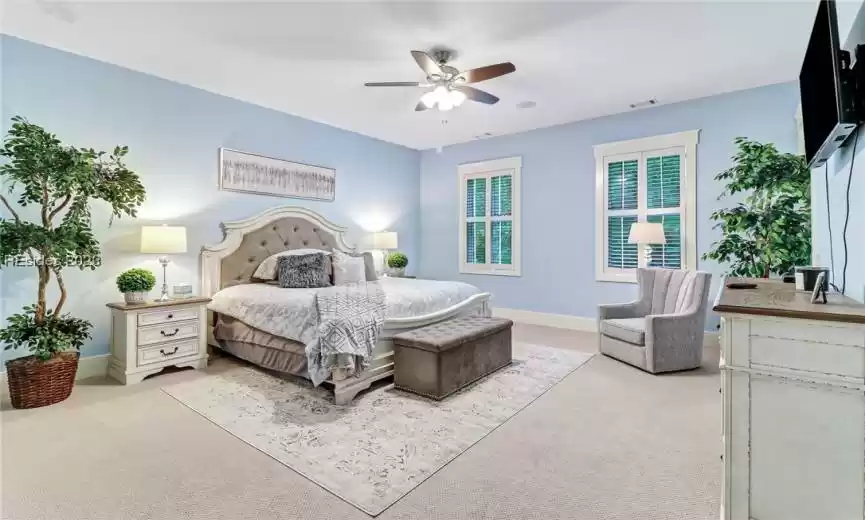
(646, 234)
(383, 241)
(163, 240)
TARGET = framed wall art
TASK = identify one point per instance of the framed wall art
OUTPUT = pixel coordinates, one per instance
(252, 173)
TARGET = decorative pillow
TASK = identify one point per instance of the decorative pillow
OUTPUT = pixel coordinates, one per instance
(348, 269)
(267, 270)
(303, 271)
(369, 265)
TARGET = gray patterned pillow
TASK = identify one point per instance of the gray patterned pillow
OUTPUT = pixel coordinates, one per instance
(303, 271)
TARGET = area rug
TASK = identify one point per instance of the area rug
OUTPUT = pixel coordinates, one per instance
(384, 444)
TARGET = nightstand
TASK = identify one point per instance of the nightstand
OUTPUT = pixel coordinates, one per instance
(147, 337)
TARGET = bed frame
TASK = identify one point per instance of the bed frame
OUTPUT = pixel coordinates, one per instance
(248, 242)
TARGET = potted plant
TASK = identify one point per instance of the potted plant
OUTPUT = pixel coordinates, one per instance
(135, 283)
(397, 262)
(60, 181)
(770, 231)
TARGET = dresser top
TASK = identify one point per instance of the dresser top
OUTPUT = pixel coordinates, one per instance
(150, 304)
(776, 298)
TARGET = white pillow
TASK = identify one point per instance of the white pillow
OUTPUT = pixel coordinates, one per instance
(267, 270)
(348, 269)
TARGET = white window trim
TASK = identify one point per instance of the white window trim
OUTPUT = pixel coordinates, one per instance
(687, 140)
(512, 165)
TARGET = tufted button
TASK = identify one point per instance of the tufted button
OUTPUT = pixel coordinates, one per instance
(251, 259)
(263, 243)
(238, 278)
(306, 242)
(295, 229)
(285, 243)
(274, 228)
(315, 230)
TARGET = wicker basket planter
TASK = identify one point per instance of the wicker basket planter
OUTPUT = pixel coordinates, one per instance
(34, 383)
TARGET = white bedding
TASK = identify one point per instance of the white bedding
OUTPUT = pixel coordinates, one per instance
(291, 313)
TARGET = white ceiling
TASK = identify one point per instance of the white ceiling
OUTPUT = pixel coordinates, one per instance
(575, 60)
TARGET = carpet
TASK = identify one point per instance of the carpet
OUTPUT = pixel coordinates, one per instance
(374, 451)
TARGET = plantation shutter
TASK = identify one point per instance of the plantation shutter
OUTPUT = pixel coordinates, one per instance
(620, 254)
(664, 192)
(649, 179)
(668, 255)
(663, 181)
(643, 187)
(501, 226)
(622, 203)
(489, 217)
(622, 177)
(476, 210)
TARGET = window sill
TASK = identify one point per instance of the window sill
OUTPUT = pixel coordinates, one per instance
(617, 277)
(488, 271)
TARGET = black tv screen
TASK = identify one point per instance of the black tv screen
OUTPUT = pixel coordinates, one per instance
(828, 117)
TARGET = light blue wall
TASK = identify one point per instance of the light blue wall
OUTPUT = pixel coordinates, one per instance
(173, 132)
(839, 172)
(558, 193)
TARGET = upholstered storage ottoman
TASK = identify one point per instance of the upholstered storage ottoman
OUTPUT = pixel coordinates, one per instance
(437, 360)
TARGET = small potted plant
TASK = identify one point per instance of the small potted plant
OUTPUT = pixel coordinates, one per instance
(397, 262)
(135, 284)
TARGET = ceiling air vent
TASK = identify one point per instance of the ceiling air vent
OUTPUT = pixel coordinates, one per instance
(644, 104)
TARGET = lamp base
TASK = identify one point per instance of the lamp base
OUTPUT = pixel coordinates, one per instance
(164, 298)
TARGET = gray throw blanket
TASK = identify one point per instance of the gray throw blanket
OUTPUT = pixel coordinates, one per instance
(350, 319)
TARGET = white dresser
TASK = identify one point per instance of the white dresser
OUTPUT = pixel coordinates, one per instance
(793, 400)
(146, 338)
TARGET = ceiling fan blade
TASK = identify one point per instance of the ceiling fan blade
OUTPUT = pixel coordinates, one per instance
(392, 84)
(427, 64)
(488, 72)
(420, 107)
(478, 95)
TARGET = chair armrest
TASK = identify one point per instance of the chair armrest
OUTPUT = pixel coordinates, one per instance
(619, 311)
(679, 327)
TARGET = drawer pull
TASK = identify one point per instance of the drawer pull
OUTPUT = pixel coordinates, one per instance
(170, 315)
(169, 334)
(166, 354)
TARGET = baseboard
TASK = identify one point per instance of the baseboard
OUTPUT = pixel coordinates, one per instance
(566, 321)
(90, 366)
(560, 321)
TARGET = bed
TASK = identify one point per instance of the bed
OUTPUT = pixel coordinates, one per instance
(253, 324)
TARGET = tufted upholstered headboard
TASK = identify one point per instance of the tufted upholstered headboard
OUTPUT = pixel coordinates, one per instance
(248, 242)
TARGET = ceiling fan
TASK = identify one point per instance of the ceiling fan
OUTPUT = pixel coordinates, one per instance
(450, 85)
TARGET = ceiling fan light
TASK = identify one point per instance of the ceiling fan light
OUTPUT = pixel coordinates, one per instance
(445, 103)
(429, 99)
(441, 92)
(457, 97)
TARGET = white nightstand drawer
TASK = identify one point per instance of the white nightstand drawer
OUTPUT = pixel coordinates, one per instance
(167, 332)
(167, 316)
(167, 351)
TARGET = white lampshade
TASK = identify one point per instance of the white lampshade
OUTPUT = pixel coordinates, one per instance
(384, 240)
(647, 233)
(163, 239)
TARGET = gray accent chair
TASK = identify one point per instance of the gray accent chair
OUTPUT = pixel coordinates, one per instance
(663, 330)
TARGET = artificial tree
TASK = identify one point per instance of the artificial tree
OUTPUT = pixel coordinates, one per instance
(769, 231)
(60, 181)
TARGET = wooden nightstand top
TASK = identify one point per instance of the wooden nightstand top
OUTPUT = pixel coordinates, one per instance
(122, 306)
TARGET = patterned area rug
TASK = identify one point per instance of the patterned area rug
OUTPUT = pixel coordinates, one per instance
(374, 451)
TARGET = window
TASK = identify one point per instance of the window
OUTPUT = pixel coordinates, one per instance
(490, 217)
(645, 180)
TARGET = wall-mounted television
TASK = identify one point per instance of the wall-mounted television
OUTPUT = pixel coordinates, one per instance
(826, 86)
